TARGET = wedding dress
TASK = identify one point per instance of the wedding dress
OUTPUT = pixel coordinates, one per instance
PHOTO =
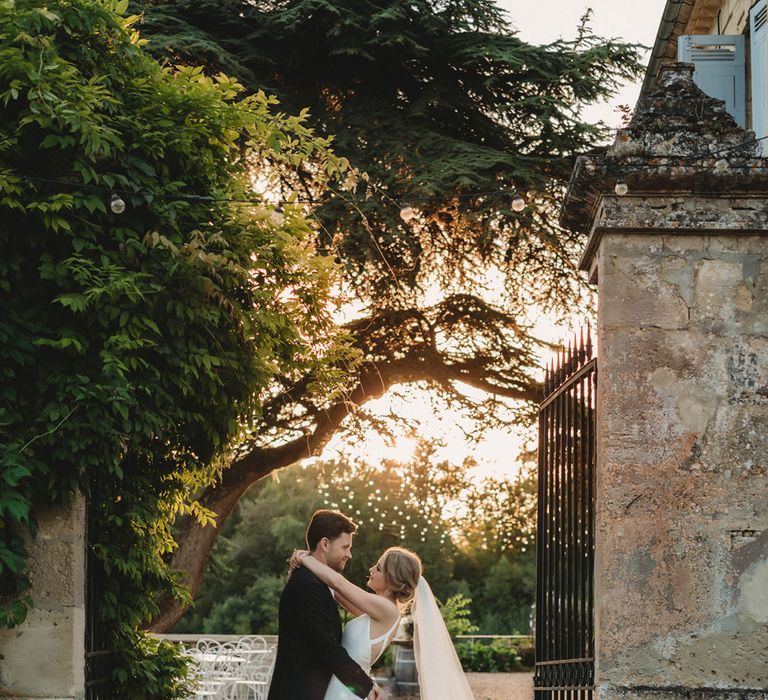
(356, 639)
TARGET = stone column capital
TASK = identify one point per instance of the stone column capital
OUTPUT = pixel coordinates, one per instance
(675, 214)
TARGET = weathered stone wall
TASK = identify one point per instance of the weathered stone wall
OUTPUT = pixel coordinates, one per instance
(682, 480)
(44, 657)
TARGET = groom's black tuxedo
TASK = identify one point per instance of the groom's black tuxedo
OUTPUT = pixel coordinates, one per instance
(309, 647)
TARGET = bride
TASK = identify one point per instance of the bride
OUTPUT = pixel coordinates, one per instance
(396, 581)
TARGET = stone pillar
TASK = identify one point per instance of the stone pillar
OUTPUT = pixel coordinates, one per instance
(681, 267)
(44, 656)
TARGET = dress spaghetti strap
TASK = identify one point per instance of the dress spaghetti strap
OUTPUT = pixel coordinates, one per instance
(386, 634)
(381, 642)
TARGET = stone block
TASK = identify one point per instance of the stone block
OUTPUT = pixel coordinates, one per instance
(56, 571)
(62, 521)
(684, 243)
(702, 610)
(733, 243)
(652, 572)
(747, 370)
(738, 441)
(678, 271)
(43, 657)
(753, 594)
(640, 297)
(630, 244)
(722, 298)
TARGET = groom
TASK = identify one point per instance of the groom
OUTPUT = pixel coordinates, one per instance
(309, 649)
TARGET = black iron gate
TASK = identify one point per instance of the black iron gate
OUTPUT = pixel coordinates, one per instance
(97, 657)
(565, 528)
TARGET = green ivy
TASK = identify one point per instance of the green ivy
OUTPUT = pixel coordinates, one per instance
(135, 347)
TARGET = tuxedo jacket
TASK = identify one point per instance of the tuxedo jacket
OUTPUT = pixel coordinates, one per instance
(309, 649)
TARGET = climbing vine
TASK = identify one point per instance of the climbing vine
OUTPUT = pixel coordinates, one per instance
(146, 299)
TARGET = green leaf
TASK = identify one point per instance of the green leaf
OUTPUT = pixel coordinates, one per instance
(14, 504)
(95, 202)
(11, 560)
(75, 301)
(13, 475)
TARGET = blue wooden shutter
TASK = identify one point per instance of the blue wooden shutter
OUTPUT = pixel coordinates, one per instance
(720, 68)
(758, 29)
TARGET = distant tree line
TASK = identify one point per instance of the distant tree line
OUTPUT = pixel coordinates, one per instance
(475, 539)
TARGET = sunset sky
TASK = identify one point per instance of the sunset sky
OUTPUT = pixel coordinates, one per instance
(543, 21)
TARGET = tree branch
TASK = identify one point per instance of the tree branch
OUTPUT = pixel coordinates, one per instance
(374, 380)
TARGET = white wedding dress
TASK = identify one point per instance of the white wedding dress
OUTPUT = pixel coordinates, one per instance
(356, 639)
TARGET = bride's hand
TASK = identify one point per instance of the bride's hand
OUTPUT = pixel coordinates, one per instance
(295, 560)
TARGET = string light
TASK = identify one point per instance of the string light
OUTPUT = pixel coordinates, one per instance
(277, 217)
(407, 212)
(116, 203)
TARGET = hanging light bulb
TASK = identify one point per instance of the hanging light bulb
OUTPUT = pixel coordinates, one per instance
(721, 166)
(407, 212)
(621, 187)
(116, 203)
(518, 202)
(277, 217)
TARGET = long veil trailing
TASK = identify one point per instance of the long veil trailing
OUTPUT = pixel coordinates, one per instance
(440, 674)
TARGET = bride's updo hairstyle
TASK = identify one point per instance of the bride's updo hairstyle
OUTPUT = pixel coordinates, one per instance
(402, 569)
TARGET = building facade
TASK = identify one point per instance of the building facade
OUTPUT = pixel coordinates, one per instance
(727, 41)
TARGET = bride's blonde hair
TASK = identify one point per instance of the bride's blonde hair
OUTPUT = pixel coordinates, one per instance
(401, 568)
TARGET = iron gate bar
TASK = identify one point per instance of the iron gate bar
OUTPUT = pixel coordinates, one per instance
(97, 658)
(589, 501)
(542, 609)
(565, 527)
(585, 370)
(571, 523)
(568, 637)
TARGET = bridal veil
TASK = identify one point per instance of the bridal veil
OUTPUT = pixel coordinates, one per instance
(440, 674)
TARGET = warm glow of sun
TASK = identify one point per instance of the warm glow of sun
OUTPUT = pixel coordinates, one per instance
(377, 449)
(495, 455)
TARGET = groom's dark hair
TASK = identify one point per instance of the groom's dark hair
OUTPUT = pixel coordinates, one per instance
(327, 523)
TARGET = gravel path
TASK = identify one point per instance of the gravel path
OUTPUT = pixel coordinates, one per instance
(497, 686)
(501, 686)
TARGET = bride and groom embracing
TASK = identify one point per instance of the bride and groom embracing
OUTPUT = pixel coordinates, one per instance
(316, 662)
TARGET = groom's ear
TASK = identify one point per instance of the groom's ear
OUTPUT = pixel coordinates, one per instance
(323, 544)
